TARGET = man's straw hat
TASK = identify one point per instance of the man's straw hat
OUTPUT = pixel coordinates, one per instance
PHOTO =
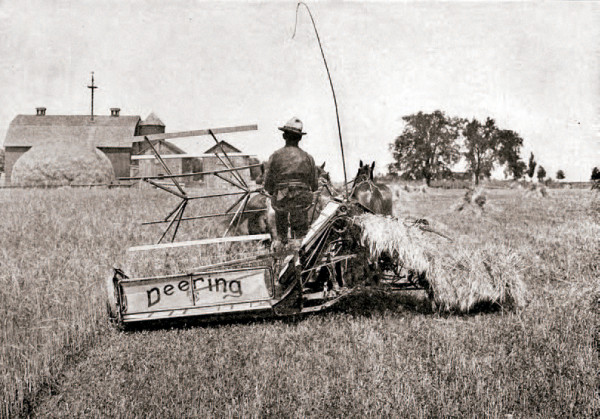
(294, 126)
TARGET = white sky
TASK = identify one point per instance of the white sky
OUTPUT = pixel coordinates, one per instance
(533, 66)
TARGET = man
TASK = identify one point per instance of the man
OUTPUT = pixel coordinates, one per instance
(290, 178)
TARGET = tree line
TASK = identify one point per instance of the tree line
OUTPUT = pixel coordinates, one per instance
(432, 143)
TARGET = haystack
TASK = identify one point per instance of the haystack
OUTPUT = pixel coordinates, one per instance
(460, 276)
(61, 163)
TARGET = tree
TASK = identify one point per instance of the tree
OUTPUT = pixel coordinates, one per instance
(481, 141)
(560, 175)
(518, 169)
(509, 152)
(531, 166)
(541, 173)
(595, 178)
(427, 147)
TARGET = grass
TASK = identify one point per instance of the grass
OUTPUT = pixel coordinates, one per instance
(376, 355)
(57, 245)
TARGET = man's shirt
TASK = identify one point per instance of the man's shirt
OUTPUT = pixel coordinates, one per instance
(290, 166)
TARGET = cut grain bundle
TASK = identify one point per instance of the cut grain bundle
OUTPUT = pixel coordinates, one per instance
(401, 196)
(594, 204)
(397, 189)
(404, 243)
(419, 188)
(459, 276)
(61, 164)
(464, 277)
(516, 185)
(473, 202)
(536, 190)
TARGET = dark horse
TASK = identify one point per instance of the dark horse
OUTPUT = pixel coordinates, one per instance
(375, 196)
(264, 221)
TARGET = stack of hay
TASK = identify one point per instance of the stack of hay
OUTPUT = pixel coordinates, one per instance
(460, 276)
(61, 164)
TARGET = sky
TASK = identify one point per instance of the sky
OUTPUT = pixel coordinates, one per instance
(532, 66)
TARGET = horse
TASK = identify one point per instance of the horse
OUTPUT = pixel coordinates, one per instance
(376, 197)
(262, 222)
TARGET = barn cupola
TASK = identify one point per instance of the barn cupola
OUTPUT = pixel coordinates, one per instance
(41, 111)
(151, 125)
(115, 111)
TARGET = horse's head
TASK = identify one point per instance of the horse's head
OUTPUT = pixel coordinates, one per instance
(364, 174)
(376, 197)
(258, 174)
(323, 175)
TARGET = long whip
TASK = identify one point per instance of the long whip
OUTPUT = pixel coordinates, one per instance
(337, 114)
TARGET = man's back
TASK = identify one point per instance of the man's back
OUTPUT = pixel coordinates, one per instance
(290, 164)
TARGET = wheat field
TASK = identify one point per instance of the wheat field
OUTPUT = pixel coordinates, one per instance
(375, 355)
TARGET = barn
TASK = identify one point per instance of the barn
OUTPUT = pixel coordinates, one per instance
(213, 159)
(112, 134)
(121, 139)
(144, 163)
(179, 161)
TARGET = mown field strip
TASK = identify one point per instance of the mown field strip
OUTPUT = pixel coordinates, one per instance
(377, 355)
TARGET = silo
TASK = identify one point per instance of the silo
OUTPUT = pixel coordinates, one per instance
(151, 125)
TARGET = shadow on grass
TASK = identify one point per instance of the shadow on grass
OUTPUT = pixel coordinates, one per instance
(361, 303)
(365, 303)
(372, 301)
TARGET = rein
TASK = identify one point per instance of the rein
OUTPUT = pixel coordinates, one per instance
(317, 196)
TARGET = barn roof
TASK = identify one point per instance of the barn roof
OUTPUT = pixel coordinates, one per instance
(216, 148)
(169, 145)
(103, 131)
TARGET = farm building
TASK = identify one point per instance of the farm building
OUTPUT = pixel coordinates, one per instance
(121, 139)
(178, 161)
(143, 162)
(113, 135)
(212, 162)
(151, 125)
